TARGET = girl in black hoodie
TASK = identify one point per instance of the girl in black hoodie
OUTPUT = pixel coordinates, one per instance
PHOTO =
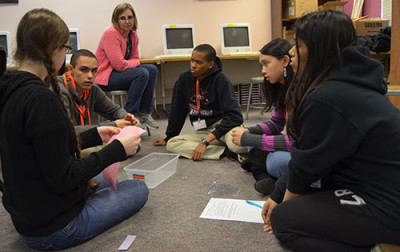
(45, 178)
(342, 189)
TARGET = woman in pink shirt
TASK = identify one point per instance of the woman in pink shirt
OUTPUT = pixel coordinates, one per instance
(119, 66)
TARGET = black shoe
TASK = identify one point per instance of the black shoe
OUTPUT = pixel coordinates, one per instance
(246, 165)
(265, 186)
(231, 155)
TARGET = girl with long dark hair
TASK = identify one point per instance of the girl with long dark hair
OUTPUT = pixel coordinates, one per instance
(269, 152)
(342, 189)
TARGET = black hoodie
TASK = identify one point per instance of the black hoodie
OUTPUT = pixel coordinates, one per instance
(350, 137)
(44, 182)
(218, 102)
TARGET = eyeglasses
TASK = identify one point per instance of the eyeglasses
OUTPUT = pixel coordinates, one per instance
(68, 49)
(129, 18)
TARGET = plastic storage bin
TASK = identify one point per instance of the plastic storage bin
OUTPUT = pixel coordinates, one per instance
(153, 169)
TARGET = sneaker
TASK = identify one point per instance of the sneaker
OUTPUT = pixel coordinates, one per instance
(148, 120)
(239, 157)
(242, 157)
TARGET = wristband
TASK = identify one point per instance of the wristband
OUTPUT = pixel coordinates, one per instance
(205, 142)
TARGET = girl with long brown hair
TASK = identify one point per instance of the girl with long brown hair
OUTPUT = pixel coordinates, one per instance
(45, 178)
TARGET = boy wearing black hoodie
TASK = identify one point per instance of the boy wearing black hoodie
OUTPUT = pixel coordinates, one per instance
(206, 94)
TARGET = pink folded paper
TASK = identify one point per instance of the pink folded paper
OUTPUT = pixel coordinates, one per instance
(110, 173)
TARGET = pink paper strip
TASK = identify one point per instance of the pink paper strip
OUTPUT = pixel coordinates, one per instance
(127, 243)
(110, 173)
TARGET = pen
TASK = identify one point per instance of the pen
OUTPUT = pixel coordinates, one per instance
(254, 204)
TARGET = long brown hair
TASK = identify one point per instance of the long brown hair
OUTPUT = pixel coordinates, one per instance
(40, 32)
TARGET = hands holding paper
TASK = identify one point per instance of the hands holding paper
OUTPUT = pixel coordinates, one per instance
(129, 141)
(106, 132)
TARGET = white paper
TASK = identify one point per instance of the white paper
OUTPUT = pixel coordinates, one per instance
(198, 125)
(232, 210)
(127, 243)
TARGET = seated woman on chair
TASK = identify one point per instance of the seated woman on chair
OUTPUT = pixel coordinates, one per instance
(119, 66)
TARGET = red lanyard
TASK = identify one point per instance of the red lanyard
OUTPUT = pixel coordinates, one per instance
(197, 97)
(82, 109)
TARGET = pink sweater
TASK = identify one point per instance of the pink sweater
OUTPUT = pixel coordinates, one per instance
(110, 54)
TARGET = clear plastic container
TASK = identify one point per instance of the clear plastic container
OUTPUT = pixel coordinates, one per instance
(153, 169)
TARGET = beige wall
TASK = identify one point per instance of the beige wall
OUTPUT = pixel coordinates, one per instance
(93, 16)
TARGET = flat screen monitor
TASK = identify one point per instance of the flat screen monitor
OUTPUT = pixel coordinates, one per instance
(5, 41)
(178, 39)
(74, 42)
(235, 38)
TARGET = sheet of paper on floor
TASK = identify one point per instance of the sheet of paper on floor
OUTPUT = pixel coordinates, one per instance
(127, 243)
(232, 210)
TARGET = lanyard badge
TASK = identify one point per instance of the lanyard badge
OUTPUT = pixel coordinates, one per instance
(199, 124)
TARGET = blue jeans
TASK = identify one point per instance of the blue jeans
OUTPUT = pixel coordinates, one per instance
(140, 83)
(277, 163)
(102, 210)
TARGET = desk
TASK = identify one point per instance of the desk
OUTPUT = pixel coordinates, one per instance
(393, 94)
(238, 68)
(393, 90)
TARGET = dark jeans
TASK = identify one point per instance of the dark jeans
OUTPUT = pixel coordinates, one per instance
(140, 82)
(329, 221)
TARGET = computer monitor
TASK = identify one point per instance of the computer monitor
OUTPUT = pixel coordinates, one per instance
(235, 38)
(74, 42)
(5, 41)
(178, 39)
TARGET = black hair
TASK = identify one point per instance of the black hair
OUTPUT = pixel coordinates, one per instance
(275, 94)
(326, 34)
(82, 52)
(208, 50)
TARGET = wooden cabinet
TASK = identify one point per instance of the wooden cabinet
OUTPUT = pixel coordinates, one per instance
(280, 24)
(395, 53)
(276, 17)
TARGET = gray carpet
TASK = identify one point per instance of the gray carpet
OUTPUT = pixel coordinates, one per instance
(170, 219)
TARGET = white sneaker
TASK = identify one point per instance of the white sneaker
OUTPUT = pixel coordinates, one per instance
(148, 120)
